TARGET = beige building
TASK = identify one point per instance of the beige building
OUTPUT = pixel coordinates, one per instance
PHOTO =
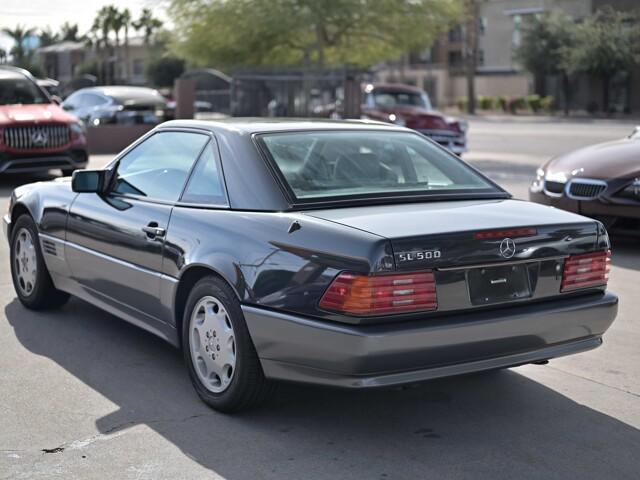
(128, 65)
(440, 71)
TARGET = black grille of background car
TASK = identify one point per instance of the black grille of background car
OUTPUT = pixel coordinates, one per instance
(554, 187)
(586, 189)
(37, 137)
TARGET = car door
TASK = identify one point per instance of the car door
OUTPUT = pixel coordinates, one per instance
(115, 241)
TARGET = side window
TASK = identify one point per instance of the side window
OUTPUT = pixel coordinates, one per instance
(74, 100)
(205, 184)
(158, 168)
(92, 100)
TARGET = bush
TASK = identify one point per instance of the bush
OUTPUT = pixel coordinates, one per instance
(516, 103)
(502, 103)
(163, 71)
(461, 103)
(547, 103)
(485, 103)
(533, 102)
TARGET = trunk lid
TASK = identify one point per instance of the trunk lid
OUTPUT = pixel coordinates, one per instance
(444, 234)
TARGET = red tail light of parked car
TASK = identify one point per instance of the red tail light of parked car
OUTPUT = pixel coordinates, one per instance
(588, 270)
(355, 294)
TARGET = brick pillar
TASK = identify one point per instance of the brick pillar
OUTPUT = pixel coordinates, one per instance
(184, 92)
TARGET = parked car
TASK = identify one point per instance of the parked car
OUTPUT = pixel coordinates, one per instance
(406, 106)
(347, 254)
(35, 133)
(410, 107)
(600, 181)
(117, 105)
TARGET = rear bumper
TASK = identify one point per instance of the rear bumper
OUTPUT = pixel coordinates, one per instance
(68, 159)
(311, 351)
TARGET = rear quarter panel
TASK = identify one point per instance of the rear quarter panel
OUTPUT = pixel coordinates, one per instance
(264, 263)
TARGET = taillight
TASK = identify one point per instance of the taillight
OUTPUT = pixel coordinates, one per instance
(588, 270)
(356, 294)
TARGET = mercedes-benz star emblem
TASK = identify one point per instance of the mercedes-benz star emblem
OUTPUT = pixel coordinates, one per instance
(39, 138)
(507, 248)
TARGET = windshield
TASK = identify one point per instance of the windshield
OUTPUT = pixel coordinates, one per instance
(15, 91)
(333, 164)
(392, 98)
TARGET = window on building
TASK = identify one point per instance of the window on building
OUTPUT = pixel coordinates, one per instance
(138, 67)
(516, 36)
(456, 34)
(455, 58)
(482, 25)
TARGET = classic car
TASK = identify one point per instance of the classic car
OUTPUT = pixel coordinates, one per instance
(35, 133)
(411, 107)
(353, 254)
(406, 106)
(600, 181)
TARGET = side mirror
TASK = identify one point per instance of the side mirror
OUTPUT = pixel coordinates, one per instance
(89, 181)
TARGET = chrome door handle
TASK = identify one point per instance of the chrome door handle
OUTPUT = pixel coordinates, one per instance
(154, 231)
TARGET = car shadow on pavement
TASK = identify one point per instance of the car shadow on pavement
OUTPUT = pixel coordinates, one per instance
(493, 425)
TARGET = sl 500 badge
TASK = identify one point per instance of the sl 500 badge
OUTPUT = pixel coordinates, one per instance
(419, 255)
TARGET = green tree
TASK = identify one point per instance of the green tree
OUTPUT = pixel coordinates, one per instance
(147, 23)
(21, 55)
(547, 42)
(70, 32)
(163, 71)
(306, 32)
(607, 43)
(48, 37)
(126, 20)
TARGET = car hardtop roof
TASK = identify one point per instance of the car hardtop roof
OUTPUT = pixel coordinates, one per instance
(121, 92)
(249, 126)
(15, 73)
(398, 87)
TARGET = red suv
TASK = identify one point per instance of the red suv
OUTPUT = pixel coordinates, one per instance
(410, 107)
(35, 133)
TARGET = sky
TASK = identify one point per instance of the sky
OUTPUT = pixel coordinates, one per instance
(53, 13)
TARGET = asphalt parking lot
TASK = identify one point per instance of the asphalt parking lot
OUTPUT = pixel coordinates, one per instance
(85, 395)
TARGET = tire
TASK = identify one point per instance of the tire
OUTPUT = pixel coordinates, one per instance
(29, 273)
(67, 172)
(218, 352)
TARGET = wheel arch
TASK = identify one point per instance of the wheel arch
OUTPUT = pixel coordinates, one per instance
(17, 211)
(188, 278)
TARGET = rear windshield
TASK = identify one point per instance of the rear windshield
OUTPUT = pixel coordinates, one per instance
(332, 165)
(14, 91)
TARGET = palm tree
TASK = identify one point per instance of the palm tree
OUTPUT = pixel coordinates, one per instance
(126, 19)
(69, 32)
(100, 30)
(148, 23)
(19, 34)
(118, 23)
(47, 37)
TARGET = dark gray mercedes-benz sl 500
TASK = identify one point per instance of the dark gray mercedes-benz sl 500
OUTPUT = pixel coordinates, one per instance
(350, 254)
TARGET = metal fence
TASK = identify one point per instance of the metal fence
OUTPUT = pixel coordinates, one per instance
(298, 92)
